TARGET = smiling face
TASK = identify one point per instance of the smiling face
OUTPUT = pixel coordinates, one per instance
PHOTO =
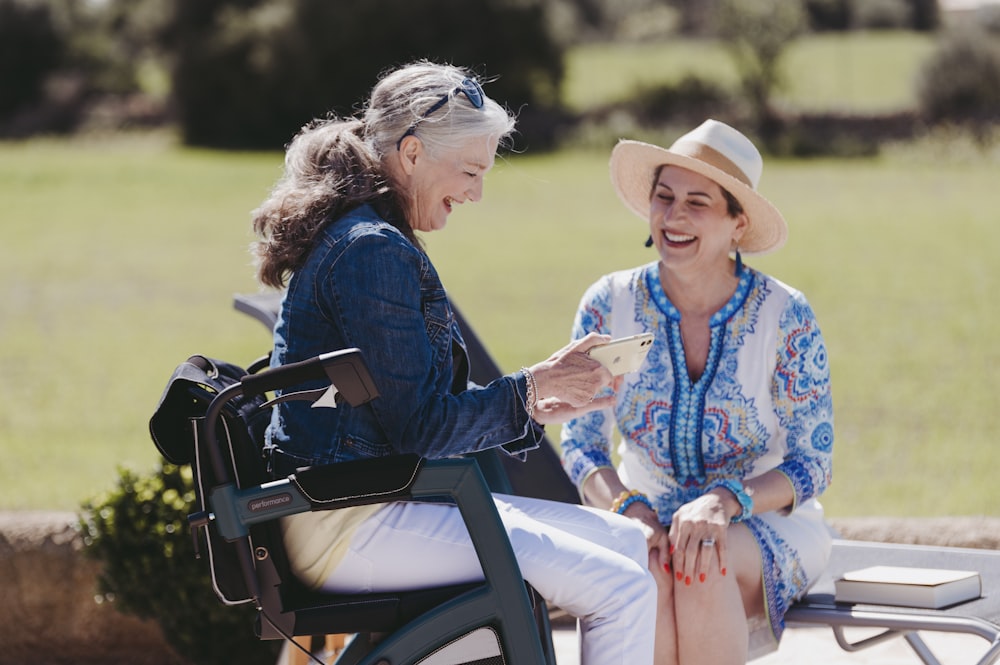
(434, 184)
(689, 220)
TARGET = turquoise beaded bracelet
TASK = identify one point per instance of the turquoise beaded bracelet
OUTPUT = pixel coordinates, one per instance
(739, 491)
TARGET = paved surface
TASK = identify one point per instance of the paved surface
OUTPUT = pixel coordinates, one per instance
(817, 646)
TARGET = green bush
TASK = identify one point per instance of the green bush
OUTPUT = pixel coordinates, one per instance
(140, 532)
(688, 102)
(960, 82)
(828, 14)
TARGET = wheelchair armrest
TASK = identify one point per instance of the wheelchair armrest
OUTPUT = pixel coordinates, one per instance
(407, 477)
(345, 484)
(355, 483)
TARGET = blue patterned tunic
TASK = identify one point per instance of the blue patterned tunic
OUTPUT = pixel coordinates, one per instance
(762, 403)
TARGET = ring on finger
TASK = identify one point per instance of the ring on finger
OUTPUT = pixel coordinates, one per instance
(708, 542)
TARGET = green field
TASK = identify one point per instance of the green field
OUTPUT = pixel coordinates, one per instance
(856, 72)
(121, 255)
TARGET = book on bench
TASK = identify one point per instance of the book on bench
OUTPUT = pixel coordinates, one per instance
(931, 588)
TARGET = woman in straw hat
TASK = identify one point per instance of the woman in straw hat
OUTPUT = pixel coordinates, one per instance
(727, 429)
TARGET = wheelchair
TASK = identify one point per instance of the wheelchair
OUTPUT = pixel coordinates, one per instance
(212, 415)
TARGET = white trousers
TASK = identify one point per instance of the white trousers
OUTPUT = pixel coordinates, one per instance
(591, 563)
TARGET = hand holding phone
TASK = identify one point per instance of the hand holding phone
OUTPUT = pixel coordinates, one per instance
(623, 355)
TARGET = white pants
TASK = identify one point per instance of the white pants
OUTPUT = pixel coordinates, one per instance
(591, 563)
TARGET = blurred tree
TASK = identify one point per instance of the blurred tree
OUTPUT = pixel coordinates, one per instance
(250, 73)
(124, 39)
(30, 50)
(696, 16)
(756, 34)
(925, 15)
(61, 59)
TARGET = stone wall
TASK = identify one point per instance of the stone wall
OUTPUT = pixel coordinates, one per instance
(975, 532)
(48, 615)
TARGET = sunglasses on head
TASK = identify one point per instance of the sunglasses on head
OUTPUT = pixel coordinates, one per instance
(469, 87)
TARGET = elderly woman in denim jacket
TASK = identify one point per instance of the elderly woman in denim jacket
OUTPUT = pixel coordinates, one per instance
(339, 231)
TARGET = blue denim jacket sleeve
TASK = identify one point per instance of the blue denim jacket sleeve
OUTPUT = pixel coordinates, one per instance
(367, 286)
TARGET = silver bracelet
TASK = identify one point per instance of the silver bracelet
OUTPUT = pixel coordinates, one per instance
(532, 397)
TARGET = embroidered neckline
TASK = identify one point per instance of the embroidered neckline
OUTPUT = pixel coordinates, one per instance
(726, 312)
(688, 399)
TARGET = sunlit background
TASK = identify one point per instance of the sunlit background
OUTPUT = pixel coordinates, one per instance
(139, 134)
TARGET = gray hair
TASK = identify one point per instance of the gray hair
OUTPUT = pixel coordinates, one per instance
(336, 164)
(401, 99)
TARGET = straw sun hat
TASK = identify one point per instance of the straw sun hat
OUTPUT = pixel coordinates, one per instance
(716, 151)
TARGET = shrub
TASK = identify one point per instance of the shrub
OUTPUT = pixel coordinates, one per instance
(828, 14)
(688, 102)
(960, 82)
(139, 531)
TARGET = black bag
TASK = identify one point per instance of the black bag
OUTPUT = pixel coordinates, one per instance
(175, 428)
(191, 388)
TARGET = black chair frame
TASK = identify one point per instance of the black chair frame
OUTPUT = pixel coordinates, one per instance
(389, 628)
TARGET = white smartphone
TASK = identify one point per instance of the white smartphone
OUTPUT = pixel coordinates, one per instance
(623, 355)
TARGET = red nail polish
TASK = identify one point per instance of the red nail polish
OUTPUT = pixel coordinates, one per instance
(666, 567)
(672, 548)
(701, 578)
(680, 576)
(687, 581)
(723, 572)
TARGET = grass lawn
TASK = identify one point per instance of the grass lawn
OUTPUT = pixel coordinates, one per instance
(862, 72)
(120, 259)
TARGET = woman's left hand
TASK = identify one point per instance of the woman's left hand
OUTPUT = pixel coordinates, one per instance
(698, 539)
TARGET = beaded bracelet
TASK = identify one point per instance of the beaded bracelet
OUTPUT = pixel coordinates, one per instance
(627, 498)
(531, 400)
(740, 492)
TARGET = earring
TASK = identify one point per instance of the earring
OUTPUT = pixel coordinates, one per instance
(649, 240)
(739, 263)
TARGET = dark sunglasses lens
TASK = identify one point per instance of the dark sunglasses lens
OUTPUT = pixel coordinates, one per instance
(474, 92)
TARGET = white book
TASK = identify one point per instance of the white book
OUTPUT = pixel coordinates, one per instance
(908, 587)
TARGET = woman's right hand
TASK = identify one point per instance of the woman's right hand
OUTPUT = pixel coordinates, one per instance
(569, 379)
(601, 489)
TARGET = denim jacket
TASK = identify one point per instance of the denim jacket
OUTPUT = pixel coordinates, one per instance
(366, 285)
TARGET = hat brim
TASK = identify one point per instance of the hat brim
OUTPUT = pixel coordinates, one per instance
(633, 164)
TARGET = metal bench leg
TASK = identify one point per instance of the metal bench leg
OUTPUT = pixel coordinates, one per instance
(992, 654)
(921, 648)
(847, 645)
(913, 639)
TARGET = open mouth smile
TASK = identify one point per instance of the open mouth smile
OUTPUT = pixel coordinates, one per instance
(678, 239)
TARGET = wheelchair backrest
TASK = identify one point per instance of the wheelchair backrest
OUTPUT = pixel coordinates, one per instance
(175, 429)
